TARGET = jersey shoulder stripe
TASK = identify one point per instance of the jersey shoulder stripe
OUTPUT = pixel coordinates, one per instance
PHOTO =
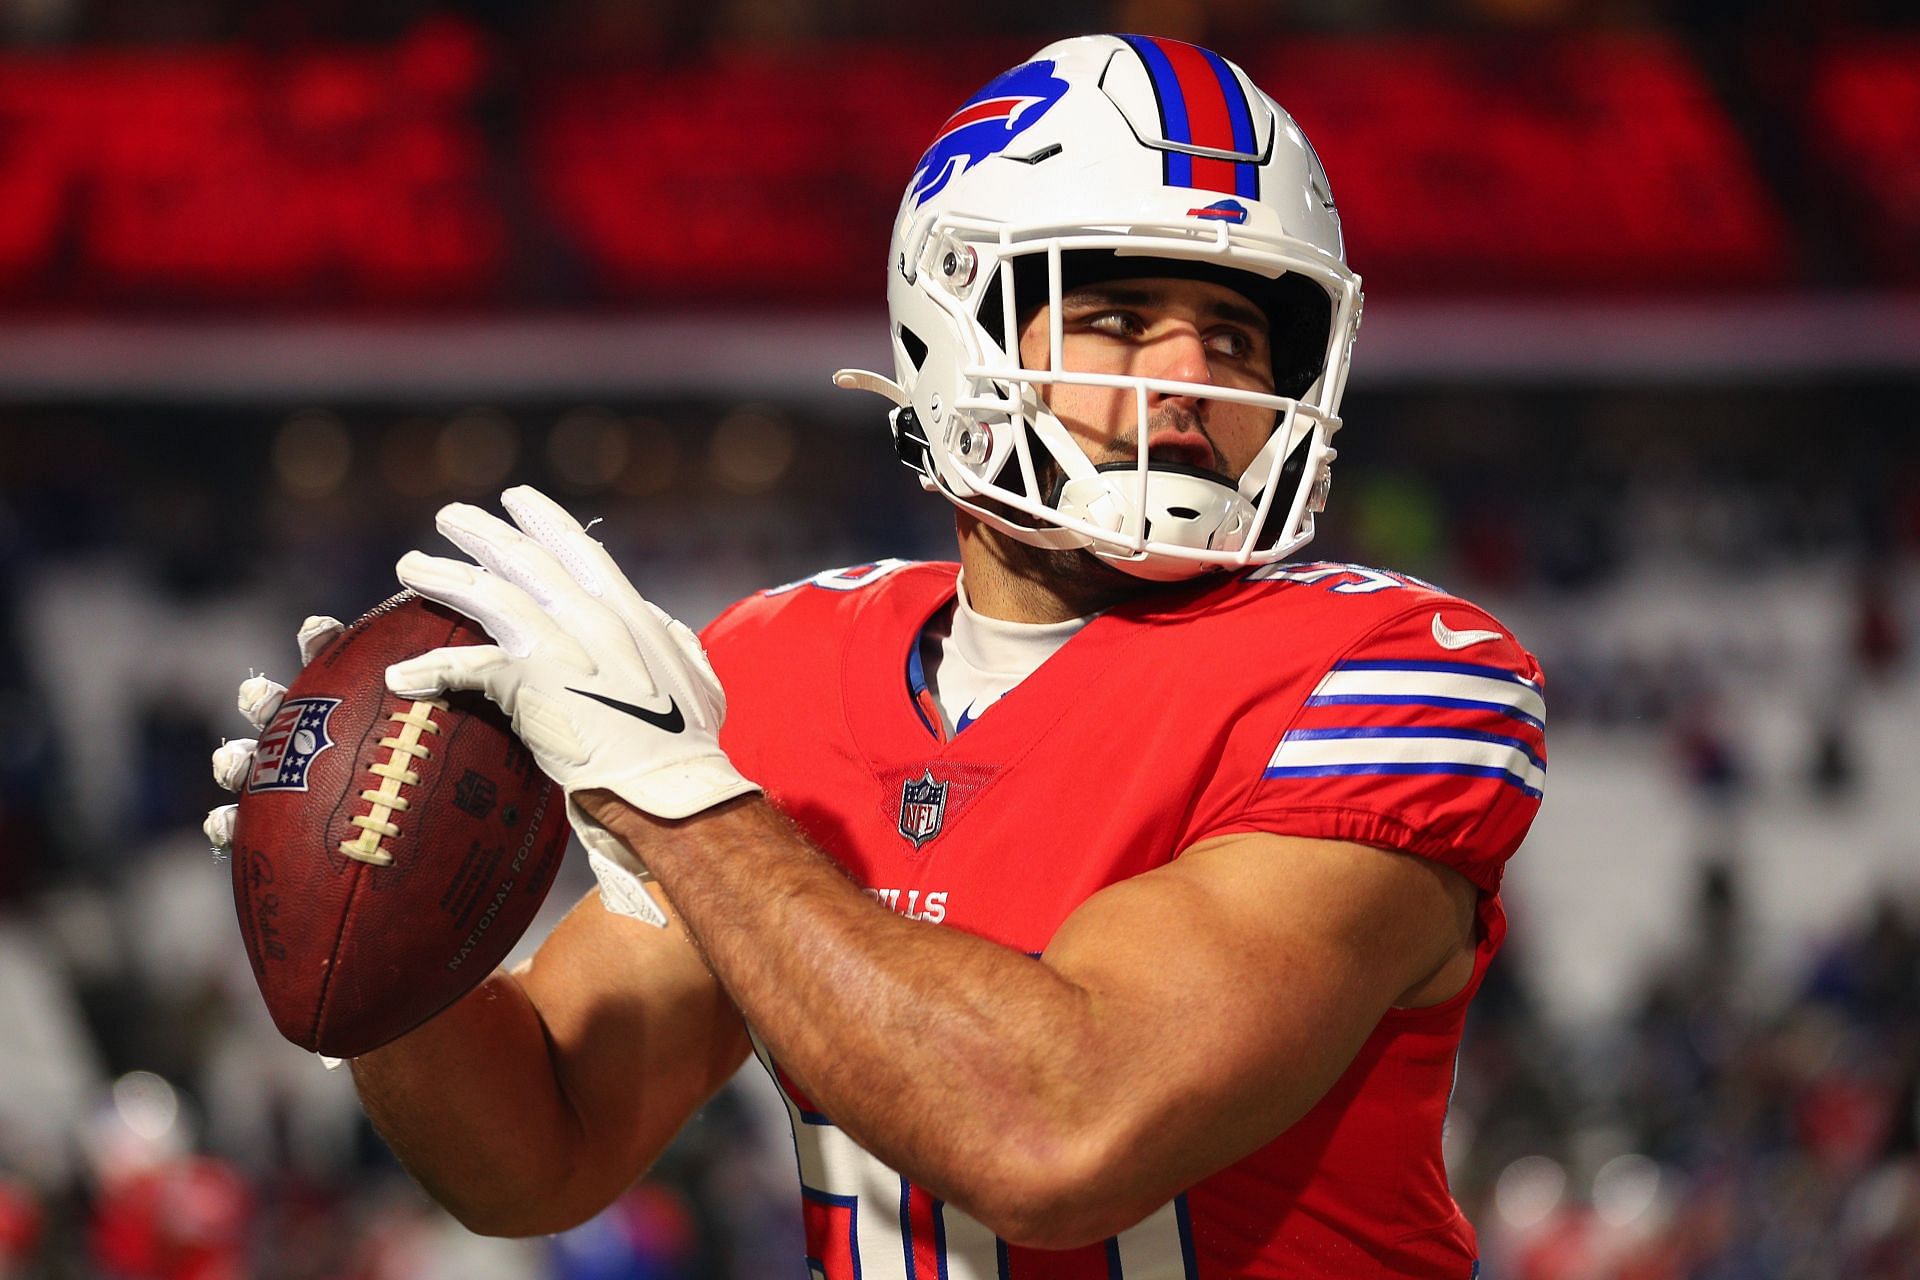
(1385, 749)
(1425, 730)
(1464, 686)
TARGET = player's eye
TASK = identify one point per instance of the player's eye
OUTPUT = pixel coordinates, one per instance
(1114, 323)
(1234, 344)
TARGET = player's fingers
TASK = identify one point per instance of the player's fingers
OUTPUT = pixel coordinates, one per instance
(559, 575)
(219, 826)
(550, 526)
(231, 760)
(553, 527)
(473, 666)
(259, 700)
(509, 554)
(316, 633)
(506, 552)
(503, 610)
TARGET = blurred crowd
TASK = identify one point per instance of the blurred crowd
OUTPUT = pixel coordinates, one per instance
(1712, 1135)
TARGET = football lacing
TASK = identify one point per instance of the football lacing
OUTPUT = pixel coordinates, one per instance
(394, 774)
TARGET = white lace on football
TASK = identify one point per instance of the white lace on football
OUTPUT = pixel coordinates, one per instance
(394, 774)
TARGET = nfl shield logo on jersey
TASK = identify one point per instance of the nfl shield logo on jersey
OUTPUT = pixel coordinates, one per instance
(288, 747)
(923, 807)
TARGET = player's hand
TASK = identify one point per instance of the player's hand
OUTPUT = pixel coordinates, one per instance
(607, 691)
(259, 700)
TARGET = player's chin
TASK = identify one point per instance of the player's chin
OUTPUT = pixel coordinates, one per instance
(1084, 581)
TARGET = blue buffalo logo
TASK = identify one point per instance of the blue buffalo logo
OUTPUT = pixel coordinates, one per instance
(923, 808)
(289, 744)
(986, 125)
(1221, 211)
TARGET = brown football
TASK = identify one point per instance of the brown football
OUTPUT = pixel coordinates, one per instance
(388, 853)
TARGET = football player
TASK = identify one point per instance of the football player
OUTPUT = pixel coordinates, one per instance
(1105, 905)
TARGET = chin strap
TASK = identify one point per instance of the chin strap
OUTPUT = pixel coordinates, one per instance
(861, 380)
(1184, 508)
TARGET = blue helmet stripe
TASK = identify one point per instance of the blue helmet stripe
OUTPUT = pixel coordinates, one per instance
(1236, 102)
(1177, 165)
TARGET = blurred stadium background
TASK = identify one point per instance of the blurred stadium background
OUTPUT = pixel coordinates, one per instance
(1641, 369)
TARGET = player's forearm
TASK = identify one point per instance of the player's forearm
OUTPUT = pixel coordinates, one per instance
(471, 1105)
(970, 1067)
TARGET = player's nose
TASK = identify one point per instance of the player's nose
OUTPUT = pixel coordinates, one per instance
(1177, 354)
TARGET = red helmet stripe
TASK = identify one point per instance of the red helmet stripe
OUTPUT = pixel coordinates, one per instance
(1209, 122)
(1217, 117)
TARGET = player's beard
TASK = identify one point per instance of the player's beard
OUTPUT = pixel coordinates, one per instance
(1078, 579)
(1079, 582)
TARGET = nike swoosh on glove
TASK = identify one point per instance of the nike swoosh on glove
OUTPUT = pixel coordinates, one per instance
(607, 691)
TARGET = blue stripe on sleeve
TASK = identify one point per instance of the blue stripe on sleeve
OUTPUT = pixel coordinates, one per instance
(1447, 668)
(1423, 700)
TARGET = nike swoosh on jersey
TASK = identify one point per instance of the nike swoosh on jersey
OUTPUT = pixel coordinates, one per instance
(669, 720)
(1447, 638)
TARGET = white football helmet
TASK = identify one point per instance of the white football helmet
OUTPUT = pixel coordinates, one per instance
(1106, 157)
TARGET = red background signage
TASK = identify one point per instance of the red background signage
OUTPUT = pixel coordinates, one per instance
(437, 173)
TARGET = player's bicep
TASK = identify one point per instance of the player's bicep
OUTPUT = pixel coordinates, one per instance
(640, 1032)
(1240, 980)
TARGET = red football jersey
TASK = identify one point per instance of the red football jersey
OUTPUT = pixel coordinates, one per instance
(1319, 700)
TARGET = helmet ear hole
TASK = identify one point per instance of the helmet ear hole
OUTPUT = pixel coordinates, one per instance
(916, 349)
(1286, 484)
(1300, 316)
(990, 314)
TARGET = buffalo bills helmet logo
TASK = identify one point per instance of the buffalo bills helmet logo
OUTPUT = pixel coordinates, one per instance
(1221, 211)
(289, 745)
(923, 808)
(986, 125)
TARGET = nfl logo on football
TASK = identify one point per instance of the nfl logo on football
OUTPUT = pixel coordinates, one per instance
(289, 745)
(923, 807)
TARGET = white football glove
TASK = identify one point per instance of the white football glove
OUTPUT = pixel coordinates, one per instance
(607, 691)
(259, 700)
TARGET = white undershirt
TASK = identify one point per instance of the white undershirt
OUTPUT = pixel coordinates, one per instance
(971, 660)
